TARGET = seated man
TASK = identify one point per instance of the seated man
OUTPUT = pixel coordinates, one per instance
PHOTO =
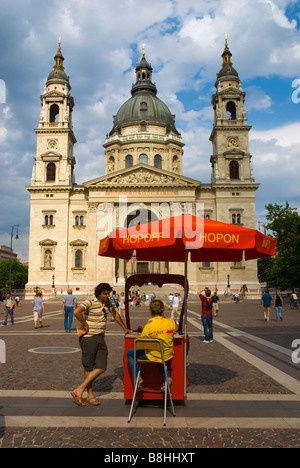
(157, 327)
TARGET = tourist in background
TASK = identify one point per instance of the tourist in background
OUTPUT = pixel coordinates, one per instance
(278, 304)
(69, 304)
(38, 310)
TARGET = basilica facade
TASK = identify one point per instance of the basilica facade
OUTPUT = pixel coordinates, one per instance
(143, 181)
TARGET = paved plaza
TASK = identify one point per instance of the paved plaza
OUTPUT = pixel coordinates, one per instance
(244, 389)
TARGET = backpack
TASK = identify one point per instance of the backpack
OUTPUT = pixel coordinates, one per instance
(208, 305)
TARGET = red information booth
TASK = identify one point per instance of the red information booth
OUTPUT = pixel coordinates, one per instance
(176, 239)
(152, 377)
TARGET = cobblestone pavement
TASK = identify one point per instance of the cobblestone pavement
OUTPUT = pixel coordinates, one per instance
(243, 389)
(118, 438)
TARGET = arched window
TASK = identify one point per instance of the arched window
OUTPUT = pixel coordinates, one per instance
(140, 216)
(143, 106)
(128, 161)
(81, 220)
(54, 113)
(234, 170)
(157, 161)
(143, 159)
(76, 220)
(51, 169)
(78, 259)
(231, 111)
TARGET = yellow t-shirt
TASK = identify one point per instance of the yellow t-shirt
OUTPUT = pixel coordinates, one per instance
(162, 328)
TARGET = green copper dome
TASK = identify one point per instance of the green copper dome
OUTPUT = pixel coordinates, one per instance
(144, 106)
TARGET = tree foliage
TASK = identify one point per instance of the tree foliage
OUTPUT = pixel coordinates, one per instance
(19, 274)
(284, 223)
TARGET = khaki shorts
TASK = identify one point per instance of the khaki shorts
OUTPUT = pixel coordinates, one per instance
(37, 315)
(94, 352)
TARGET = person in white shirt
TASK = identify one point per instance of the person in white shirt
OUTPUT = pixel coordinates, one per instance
(170, 300)
(175, 314)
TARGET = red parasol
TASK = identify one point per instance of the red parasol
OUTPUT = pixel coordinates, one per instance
(170, 239)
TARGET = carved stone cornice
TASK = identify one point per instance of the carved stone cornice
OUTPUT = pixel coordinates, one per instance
(238, 186)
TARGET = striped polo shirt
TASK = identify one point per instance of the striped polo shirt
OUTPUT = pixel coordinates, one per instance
(95, 315)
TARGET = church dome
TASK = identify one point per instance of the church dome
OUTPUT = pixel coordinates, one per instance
(58, 73)
(227, 69)
(144, 106)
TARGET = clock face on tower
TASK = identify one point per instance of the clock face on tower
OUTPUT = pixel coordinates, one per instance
(52, 144)
(232, 142)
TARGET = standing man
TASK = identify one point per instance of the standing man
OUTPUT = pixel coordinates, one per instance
(206, 314)
(266, 301)
(69, 304)
(92, 314)
(9, 305)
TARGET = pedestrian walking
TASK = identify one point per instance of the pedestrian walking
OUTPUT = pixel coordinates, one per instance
(216, 301)
(206, 314)
(278, 304)
(69, 304)
(266, 302)
(171, 295)
(9, 305)
(175, 314)
(92, 315)
(38, 310)
(122, 305)
(115, 302)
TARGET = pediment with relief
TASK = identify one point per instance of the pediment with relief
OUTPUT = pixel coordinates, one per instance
(142, 176)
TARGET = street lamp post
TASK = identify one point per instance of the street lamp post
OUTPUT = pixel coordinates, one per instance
(228, 283)
(11, 241)
(53, 284)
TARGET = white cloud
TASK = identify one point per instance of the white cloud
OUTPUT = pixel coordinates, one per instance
(286, 136)
(257, 99)
(3, 134)
(279, 16)
(277, 164)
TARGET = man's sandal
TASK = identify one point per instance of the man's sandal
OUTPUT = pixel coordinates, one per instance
(77, 399)
(93, 401)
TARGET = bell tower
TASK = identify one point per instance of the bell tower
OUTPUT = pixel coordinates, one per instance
(231, 160)
(54, 162)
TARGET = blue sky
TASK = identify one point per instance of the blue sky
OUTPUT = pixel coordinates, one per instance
(184, 39)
